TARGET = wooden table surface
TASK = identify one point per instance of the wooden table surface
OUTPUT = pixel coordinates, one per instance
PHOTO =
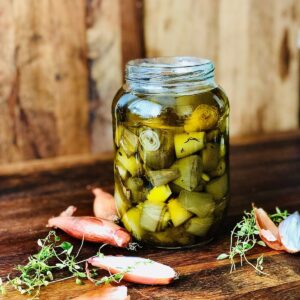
(264, 170)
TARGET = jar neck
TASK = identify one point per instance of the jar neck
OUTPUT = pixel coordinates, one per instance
(169, 75)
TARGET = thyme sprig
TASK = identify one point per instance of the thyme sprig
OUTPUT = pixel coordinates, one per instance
(52, 257)
(245, 236)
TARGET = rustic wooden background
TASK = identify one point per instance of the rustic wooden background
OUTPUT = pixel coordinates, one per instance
(61, 62)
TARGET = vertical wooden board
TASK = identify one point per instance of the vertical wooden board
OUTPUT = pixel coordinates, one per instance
(8, 84)
(252, 46)
(104, 51)
(175, 27)
(45, 111)
(232, 68)
(132, 30)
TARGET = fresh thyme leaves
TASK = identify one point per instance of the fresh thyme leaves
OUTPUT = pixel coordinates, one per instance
(245, 236)
(38, 271)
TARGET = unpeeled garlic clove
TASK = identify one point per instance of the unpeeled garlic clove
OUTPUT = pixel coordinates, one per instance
(268, 231)
(289, 231)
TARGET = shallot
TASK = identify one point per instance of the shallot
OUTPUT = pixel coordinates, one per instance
(90, 229)
(289, 231)
(285, 237)
(104, 205)
(135, 269)
(106, 293)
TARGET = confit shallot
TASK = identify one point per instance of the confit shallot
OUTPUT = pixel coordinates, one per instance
(135, 269)
(106, 292)
(104, 205)
(90, 229)
(285, 237)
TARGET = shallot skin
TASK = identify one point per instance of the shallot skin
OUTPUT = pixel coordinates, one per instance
(104, 205)
(91, 229)
(268, 231)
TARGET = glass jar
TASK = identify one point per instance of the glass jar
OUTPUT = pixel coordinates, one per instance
(171, 168)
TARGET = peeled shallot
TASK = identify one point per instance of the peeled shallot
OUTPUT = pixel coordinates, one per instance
(104, 205)
(135, 269)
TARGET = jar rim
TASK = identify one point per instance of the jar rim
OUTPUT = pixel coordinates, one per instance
(170, 62)
(169, 74)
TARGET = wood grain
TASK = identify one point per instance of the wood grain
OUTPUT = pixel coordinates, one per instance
(104, 44)
(253, 47)
(266, 172)
(132, 30)
(43, 104)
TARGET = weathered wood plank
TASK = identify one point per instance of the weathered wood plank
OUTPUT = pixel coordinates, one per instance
(132, 30)
(42, 193)
(104, 44)
(254, 49)
(45, 111)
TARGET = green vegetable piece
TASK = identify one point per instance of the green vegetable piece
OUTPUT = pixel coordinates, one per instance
(161, 177)
(118, 134)
(121, 171)
(159, 158)
(129, 142)
(159, 193)
(181, 236)
(204, 117)
(136, 187)
(164, 222)
(151, 215)
(185, 105)
(199, 226)
(205, 177)
(210, 157)
(212, 136)
(188, 143)
(218, 187)
(131, 220)
(178, 213)
(190, 169)
(121, 196)
(222, 147)
(220, 170)
(201, 204)
(132, 164)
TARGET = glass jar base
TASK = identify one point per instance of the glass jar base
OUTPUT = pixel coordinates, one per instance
(181, 247)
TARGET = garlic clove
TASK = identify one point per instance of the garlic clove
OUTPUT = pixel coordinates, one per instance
(268, 231)
(289, 231)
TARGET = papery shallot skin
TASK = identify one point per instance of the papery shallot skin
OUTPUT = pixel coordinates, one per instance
(92, 229)
(268, 231)
(289, 230)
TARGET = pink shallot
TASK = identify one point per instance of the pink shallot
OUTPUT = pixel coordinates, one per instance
(90, 229)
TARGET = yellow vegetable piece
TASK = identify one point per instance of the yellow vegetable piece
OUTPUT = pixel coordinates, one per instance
(177, 212)
(188, 143)
(131, 163)
(159, 193)
(204, 117)
(122, 171)
(131, 221)
(121, 197)
(118, 134)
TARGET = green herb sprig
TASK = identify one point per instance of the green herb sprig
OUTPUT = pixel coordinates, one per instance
(53, 256)
(245, 236)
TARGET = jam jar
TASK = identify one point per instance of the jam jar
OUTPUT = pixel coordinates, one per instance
(171, 166)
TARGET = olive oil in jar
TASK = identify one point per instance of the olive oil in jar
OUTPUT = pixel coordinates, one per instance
(171, 139)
